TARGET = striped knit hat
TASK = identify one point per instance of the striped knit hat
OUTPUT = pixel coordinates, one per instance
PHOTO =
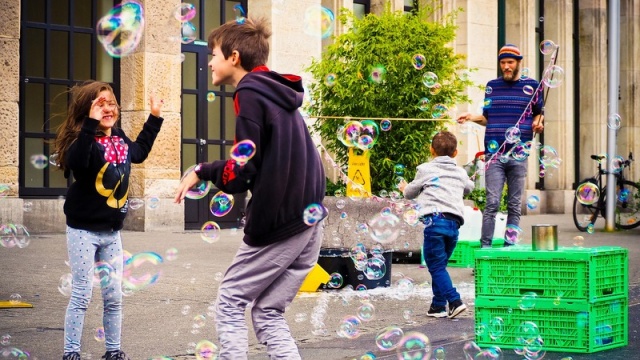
(509, 51)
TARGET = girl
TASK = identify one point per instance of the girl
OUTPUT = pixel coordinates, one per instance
(99, 156)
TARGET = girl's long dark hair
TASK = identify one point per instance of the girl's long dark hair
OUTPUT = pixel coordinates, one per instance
(81, 98)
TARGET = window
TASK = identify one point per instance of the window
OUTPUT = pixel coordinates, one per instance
(410, 6)
(58, 48)
(361, 8)
(208, 116)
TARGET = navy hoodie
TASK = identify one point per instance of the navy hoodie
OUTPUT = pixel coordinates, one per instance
(98, 198)
(286, 174)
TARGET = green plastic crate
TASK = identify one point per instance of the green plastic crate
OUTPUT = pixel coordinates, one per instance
(565, 325)
(589, 274)
(463, 254)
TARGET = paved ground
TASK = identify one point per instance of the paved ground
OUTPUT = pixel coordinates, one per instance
(162, 319)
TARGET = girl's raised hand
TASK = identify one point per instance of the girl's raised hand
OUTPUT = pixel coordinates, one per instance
(96, 108)
(156, 105)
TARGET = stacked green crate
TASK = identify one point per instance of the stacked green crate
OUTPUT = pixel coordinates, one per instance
(573, 299)
(464, 253)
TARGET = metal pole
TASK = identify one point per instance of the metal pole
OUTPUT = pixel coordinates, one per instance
(613, 81)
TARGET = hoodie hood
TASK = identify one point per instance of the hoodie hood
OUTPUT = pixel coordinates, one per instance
(284, 90)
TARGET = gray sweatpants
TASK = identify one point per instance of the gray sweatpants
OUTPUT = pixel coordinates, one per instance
(269, 277)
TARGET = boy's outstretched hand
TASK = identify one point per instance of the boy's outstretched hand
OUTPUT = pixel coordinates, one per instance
(401, 185)
(189, 181)
(156, 106)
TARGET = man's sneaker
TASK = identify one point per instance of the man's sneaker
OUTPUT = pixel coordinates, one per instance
(437, 311)
(71, 356)
(455, 308)
(115, 355)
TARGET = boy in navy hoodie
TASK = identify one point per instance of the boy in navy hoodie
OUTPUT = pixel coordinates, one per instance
(284, 176)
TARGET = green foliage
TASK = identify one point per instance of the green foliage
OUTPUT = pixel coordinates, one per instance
(479, 197)
(333, 186)
(389, 40)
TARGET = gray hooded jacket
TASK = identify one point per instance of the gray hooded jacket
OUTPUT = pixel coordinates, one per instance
(440, 184)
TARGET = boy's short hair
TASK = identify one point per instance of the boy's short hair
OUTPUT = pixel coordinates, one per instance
(444, 143)
(250, 38)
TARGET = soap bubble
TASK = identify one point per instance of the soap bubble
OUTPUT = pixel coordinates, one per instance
(587, 193)
(418, 61)
(120, 30)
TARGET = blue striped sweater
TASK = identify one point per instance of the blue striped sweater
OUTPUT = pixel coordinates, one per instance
(504, 105)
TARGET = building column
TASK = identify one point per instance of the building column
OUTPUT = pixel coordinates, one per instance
(377, 6)
(476, 38)
(629, 104)
(10, 204)
(291, 47)
(559, 125)
(593, 83)
(155, 68)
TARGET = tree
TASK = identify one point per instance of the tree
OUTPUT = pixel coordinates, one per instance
(376, 70)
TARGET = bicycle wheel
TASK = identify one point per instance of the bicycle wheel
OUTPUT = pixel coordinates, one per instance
(627, 212)
(583, 215)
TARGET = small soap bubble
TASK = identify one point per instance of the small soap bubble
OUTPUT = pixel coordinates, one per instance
(553, 76)
(239, 13)
(532, 202)
(439, 353)
(189, 33)
(210, 232)
(184, 12)
(366, 311)
(385, 125)
(39, 161)
(330, 79)
(423, 104)
(200, 189)
(206, 350)
(414, 345)
(135, 203)
(488, 90)
(15, 298)
(99, 334)
(388, 338)
(492, 146)
(614, 122)
(64, 285)
(587, 193)
(313, 214)
(435, 89)
(527, 90)
(591, 229)
(377, 74)
(513, 234)
(429, 79)
(221, 204)
(547, 46)
(243, 151)
(211, 96)
(120, 30)
(318, 21)
(578, 240)
(152, 202)
(528, 301)
(512, 135)
(171, 254)
(398, 169)
(487, 103)
(418, 61)
(524, 73)
(336, 281)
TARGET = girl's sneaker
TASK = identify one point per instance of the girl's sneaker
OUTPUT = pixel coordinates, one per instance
(115, 355)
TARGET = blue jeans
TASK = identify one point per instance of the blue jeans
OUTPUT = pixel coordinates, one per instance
(496, 174)
(440, 240)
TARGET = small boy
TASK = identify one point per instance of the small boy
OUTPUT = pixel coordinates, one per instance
(284, 176)
(438, 188)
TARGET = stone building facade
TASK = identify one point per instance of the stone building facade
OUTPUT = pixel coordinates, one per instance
(576, 112)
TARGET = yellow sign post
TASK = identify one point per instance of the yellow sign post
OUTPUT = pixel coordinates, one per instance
(360, 184)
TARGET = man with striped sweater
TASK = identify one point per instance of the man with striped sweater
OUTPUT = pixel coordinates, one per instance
(513, 101)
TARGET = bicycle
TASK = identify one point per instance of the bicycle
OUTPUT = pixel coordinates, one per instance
(627, 209)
